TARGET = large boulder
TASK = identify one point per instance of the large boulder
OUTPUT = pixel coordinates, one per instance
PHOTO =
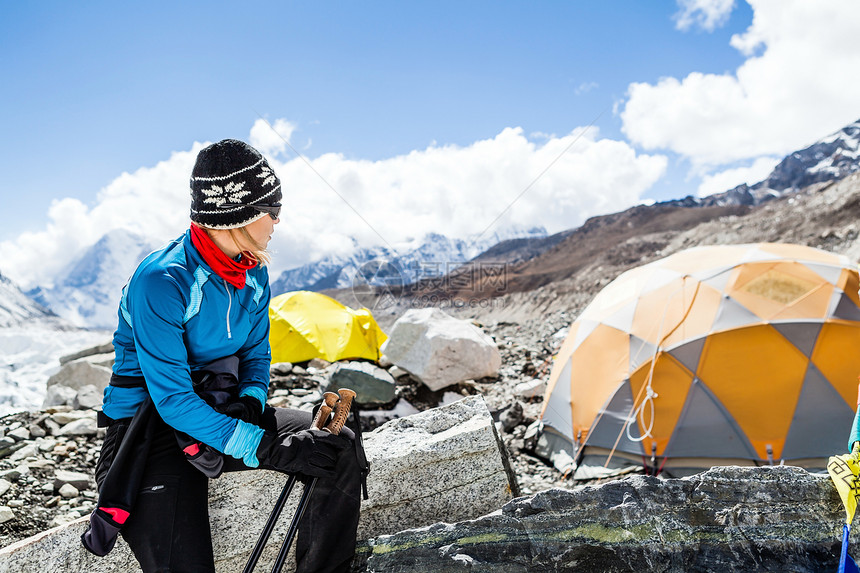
(441, 350)
(79, 373)
(372, 384)
(79, 383)
(445, 463)
(725, 519)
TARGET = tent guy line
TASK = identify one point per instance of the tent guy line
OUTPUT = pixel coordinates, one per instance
(541, 174)
(323, 179)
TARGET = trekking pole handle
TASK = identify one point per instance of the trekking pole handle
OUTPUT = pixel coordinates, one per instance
(341, 411)
(342, 404)
(326, 408)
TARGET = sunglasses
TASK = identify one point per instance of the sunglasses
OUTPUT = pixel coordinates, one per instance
(272, 210)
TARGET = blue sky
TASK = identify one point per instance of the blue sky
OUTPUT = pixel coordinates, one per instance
(395, 104)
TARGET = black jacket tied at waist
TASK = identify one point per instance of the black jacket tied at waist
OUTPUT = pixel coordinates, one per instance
(126, 447)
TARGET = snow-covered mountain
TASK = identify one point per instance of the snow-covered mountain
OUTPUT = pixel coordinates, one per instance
(17, 308)
(87, 293)
(829, 159)
(430, 256)
(32, 339)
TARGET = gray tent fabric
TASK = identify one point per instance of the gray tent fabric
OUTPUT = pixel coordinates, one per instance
(801, 334)
(612, 423)
(820, 419)
(640, 352)
(828, 272)
(557, 413)
(732, 314)
(845, 308)
(705, 428)
(689, 354)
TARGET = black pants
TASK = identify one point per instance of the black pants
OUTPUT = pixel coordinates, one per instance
(168, 531)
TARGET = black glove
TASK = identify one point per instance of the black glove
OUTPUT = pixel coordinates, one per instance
(246, 408)
(309, 452)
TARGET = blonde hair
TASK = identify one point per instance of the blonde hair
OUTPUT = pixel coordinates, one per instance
(258, 252)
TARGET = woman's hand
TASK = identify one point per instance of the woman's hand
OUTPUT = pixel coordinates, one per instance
(309, 452)
(246, 408)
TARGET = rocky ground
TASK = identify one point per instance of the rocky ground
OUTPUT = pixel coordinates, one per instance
(47, 458)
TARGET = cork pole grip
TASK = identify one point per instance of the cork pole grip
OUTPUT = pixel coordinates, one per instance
(326, 408)
(341, 411)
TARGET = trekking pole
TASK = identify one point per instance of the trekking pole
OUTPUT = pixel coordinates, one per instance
(319, 422)
(333, 427)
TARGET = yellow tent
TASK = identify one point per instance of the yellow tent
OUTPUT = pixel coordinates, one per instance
(306, 325)
(738, 354)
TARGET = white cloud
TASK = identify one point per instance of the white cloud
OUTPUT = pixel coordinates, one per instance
(798, 88)
(586, 87)
(706, 14)
(152, 201)
(457, 191)
(731, 178)
(271, 139)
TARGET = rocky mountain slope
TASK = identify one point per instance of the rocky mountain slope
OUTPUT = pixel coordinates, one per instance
(430, 256)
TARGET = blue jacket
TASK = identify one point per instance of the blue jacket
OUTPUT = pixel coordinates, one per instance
(175, 316)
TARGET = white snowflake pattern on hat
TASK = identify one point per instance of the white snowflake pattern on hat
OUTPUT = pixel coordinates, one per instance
(269, 177)
(231, 193)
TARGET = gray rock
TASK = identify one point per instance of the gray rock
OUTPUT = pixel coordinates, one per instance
(106, 348)
(725, 519)
(512, 416)
(397, 372)
(63, 418)
(29, 450)
(79, 480)
(78, 373)
(105, 360)
(281, 369)
(52, 427)
(68, 491)
(427, 467)
(15, 473)
(58, 395)
(299, 371)
(531, 389)
(318, 364)
(89, 397)
(36, 431)
(82, 427)
(19, 434)
(4, 486)
(441, 350)
(372, 384)
(6, 514)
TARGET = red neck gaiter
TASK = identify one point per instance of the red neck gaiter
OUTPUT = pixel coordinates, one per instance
(228, 269)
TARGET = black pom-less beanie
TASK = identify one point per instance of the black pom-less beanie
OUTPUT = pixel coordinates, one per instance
(228, 177)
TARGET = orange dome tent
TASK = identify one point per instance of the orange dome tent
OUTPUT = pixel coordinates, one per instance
(720, 355)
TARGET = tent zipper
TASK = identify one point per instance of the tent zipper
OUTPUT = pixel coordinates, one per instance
(229, 306)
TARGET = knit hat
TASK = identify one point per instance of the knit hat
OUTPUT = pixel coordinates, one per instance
(227, 178)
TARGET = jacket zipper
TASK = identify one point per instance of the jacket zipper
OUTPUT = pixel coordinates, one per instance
(229, 306)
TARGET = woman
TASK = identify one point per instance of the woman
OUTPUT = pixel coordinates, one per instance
(201, 301)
